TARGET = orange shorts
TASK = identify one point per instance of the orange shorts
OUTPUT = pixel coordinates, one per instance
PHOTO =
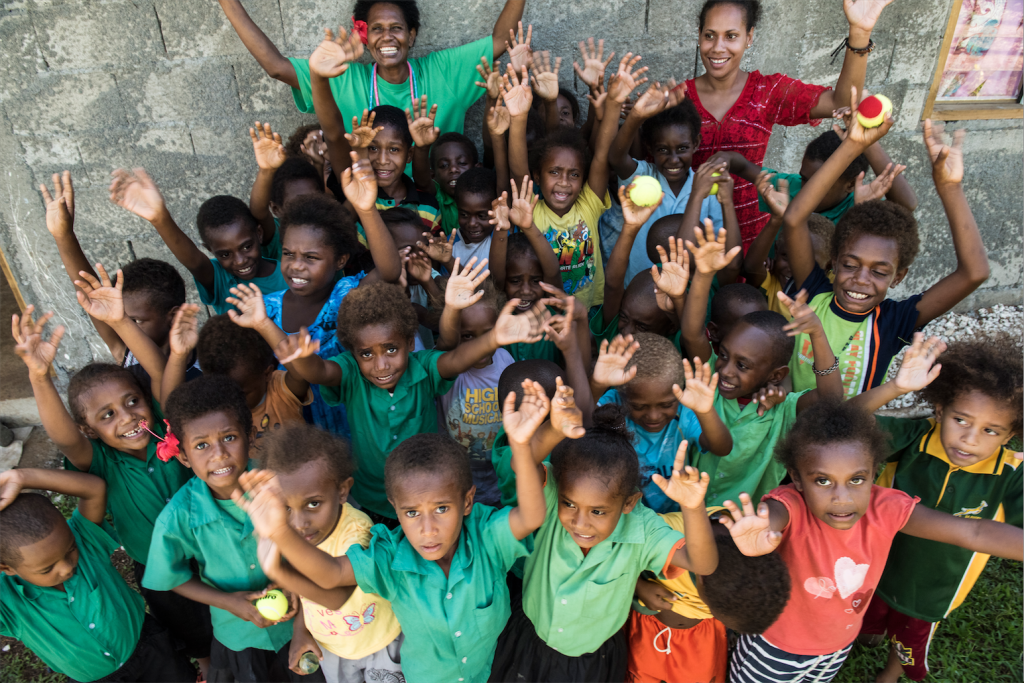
(658, 653)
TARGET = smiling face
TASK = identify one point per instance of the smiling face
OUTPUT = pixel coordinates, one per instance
(382, 354)
(523, 276)
(388, 154)
(651, 403)
(839, 191)
(589, 512)
(113, 410)
(565, 117)
(476, 321)
(866, 267)
(48, 562)
(746, 362)
(388, 38)
(216, 448)
(313, 500)
(236, 246)
(723, 40)
(451, 160)
(974, 426)
(561, 178)
(431, 507)
(672, 148)
(474, 221)
(155, 325)
(307, 264)
(835, 480)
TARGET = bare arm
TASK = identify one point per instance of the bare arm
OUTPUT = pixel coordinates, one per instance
(862, 16)
(687, 487)
(618, 154)
(518, 97)
(269, 156)
(294, 581)
(520, 426)
(692, 325)
(90, 489)
(258, 45)
(901, 192)
(507, 21)
(754, 268)
(918, 370)
(738, 165)
(979, 535)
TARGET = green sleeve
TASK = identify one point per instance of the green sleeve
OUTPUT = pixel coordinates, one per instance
(170, 551)
(455, 68)
(902, 434)
(350, 89)
(438, 384)
(659, 538)
(372, 564)
(349, 375)
(499, 538)
(606, 333)
(93, 534)
(1013, 503)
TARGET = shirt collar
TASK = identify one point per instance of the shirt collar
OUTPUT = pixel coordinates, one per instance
(411, 193)
(931, 443)
(203, 508)
(408, 560)
(414, 373)
(630, 528)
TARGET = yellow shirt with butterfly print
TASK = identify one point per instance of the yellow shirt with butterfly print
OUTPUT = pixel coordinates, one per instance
(365, 623)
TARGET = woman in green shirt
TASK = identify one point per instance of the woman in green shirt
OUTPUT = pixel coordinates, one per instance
(391, 29)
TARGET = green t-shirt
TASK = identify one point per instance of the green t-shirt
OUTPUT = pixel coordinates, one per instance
(88, 630)
(542, 350)
(795, 183)
(223, 281)
(272, 249)
(449, 210)
(611, 330)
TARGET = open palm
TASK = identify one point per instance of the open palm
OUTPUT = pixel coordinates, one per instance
(332, 56)
(36, 352)
(919, 368)
(752, 532)
(863, 14)
(137, 193)
(100, 298)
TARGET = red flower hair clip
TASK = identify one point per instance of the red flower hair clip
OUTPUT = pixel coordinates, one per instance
(168, 446)
(360, 28)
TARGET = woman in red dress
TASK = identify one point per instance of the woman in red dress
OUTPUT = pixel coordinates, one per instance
(738, 108)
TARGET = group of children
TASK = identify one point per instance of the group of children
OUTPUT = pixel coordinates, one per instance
(468, 441)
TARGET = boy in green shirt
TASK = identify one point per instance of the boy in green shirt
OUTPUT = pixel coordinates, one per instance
(61, 596)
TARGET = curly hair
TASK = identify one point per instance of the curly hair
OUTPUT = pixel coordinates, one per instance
(989, 364)
(325, 215)
(221, 210)
(202, 396)
(737, 293)
(749, 593)
(823, 146)
(477, 180)
(605, 451)
(411, 13)
(28, 519)
(751, 11)
(458, 139)
(380, 303)
(158, 280)
(683, 114)
(830, 422)
(428, 454)
(298, 138)
(560, 138)
(661, 230)
(773, 324)
(657, 358)
(518, 245)
(293, 168)
(93, 375)
(295, 445)
(224, 346)
(574, 103)
(536, 369)
(394, 119)
(883, 219)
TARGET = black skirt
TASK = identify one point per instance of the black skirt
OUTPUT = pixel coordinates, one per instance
(522, 656)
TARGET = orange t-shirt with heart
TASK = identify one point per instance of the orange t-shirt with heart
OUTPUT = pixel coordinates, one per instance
(833, 572)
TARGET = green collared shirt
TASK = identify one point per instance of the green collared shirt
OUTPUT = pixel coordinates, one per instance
(90, 630)
(449, 210)
(194, 525)
(611, 330)
(136, 491)
(575, 601)
(384, 420)
(452, 623)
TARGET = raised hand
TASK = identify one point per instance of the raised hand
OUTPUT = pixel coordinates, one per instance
(701, 381)
(613, 359)
(499, 213)
(263, 501)
(498, 119)
(184, 334)
(877, 188)
(751, 531)
(947, 162)
(566, 417)
(296, 346)
(492, 78)
(519, 52)
(359, 183)
(438, 248)
(267, 146)
(919, 367)
(332, 56)
(363, 131)
(767, 397)
(527, 327)
(673, 276)
(421, 123)
(688, 485)
(515, 92)
(417, 265)
(100, 298)
(805, 320)
(597, 102)
(704, 177)
(520, 425)
(523, 203)
(676, 92)
(463, 288)
(594, 64)
(248, 299)
(11, 484)
(777, 199)
(561, 328)
(60, 207)
(653, 101)
(633, 214)
(709, 255)
(30, 346)
(863, 14)
(545, 78)
(626, 79)
(136, 192)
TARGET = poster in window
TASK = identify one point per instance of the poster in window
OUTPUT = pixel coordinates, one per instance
(987, 53)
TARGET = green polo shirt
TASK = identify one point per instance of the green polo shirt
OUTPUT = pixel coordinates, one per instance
(578, 602)
(795, 183)
(927, 579)
(136, 491)
(448, 208)
(542, 350)
(750, 466)
(384, 420)
(451, 624)
(90, 630)
(223, 281)
(196, 526)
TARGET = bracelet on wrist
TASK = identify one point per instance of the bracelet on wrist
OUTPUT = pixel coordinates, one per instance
(860, 51)
(823, 373)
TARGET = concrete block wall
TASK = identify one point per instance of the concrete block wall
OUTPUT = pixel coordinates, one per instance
(91, 85)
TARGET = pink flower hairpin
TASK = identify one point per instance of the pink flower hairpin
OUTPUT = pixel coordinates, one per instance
(168, 446)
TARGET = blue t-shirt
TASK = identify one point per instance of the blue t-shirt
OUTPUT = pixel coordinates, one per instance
(657, 451)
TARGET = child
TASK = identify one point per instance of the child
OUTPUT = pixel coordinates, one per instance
(49, 562)
(444, 570)
(728, 306)
(475, 197)
(677, 627)
(355, 635)
(872, 250)
(451, 155)
(956, 462)
(201, 526)
(388, 388)
(595, 541)
(751, 362)
(659, 413)
(226, 229)
(296, 177)
(834, 529)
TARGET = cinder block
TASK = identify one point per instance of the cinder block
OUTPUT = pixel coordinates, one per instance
(86, 35)
(260, 95)
(180, 91)
(165, 151)
(21, 61)
(59, 104)
(49, 155)
(556, 22)
(198, 28)
(304, 22)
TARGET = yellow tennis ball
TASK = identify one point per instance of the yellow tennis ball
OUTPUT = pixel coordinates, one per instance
(273, 605)
(646, 191)
(714, 188)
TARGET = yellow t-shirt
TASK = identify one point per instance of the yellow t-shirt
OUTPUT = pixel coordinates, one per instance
(365, 623)
(771, 288)
(575, 241)
(688, 603)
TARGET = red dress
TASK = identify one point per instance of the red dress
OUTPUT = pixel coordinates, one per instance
(747, 127)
